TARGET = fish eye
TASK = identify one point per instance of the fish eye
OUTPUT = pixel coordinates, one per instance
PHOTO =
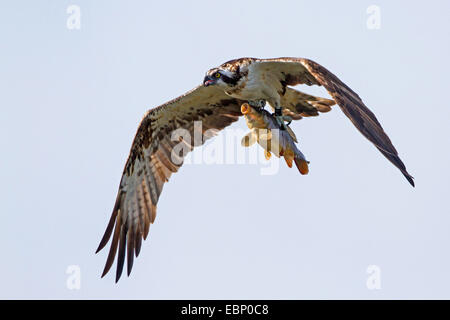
(217, 75)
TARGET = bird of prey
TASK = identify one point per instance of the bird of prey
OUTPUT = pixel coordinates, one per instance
(216, 103)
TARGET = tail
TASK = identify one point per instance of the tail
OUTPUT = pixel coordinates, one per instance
(302, 165)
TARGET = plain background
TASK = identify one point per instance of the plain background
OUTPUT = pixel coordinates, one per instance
(71, 101)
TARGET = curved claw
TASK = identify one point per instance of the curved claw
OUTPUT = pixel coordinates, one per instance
(287, 119)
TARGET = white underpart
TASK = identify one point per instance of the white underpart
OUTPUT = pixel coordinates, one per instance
(259, 84)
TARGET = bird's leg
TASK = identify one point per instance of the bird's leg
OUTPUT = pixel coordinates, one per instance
(258, 104)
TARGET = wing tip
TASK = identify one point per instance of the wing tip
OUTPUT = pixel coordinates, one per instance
(100, 247)
(104, 273)
(410, 180)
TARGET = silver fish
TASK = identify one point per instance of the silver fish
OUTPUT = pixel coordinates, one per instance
(265, 130)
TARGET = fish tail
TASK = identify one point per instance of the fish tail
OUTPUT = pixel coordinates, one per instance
(302, 165)
(288, 155)
(288, 161)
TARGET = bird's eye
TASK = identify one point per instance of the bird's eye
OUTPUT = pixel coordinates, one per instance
(217, 75)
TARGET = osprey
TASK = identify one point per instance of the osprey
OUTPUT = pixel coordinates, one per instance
(217, 104)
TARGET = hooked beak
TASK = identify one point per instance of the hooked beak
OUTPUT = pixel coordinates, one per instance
(208, 81)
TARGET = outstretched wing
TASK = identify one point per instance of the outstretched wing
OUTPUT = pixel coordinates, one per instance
(155, 154)
(294, 71)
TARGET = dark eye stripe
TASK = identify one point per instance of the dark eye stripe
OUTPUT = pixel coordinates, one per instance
(226, 79)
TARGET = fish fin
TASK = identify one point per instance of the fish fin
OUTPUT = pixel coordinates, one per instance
(265, 134)
(288, 161)
(249, 139)
(292, 134)
(288, 156)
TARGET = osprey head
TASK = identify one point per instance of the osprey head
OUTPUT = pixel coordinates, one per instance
(221, 77)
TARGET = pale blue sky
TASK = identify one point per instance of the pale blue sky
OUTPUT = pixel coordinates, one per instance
(71, 101)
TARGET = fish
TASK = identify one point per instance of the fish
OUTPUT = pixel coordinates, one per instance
(265, 130)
